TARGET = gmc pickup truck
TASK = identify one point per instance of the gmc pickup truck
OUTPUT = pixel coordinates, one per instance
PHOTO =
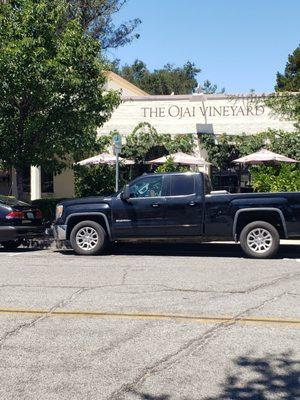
(181, 206)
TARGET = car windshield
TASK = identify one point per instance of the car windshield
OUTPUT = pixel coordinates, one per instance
(11, 201)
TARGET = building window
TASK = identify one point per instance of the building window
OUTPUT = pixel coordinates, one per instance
(46, 181)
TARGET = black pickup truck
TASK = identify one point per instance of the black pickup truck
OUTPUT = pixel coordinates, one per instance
(181, 206)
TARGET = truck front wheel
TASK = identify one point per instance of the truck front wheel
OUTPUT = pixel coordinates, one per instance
(88, 238)
(260, 239)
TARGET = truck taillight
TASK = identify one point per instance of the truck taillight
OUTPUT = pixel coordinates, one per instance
(38, 214)
(15, 214)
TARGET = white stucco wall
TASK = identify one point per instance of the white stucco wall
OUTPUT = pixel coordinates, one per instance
(63, 184)
(181, 114)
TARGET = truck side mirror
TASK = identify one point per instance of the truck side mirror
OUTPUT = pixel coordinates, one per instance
(125, 195)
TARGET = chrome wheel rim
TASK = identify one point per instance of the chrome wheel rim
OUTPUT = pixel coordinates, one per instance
(87, 238)
(259, 240)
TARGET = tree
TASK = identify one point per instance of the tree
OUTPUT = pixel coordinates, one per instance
(286, 102)
(210, 88)
(167, 80)
(51, 91)
(289, 81)
(95, 17)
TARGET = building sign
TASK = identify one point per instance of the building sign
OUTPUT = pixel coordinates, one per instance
(175, 111)
(232, 115)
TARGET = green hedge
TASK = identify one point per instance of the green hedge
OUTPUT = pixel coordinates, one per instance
(279, 178)
(47, 206)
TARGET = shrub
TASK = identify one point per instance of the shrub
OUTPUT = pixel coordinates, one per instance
(98, 180)
(268, 178)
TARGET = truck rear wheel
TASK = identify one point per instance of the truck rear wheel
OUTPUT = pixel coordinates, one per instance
(260, 239)
(88, 238)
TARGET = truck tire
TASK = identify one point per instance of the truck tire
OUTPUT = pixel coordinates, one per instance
(259, 239)
(88, 238)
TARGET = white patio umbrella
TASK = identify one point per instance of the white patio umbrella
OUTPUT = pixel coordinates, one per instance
(104, 158)
(180, 158)
(264, 156)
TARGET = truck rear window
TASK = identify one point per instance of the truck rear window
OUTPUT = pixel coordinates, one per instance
(182, 185)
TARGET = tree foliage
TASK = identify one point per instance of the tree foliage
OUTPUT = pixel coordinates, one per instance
(167, 80)
(289, 81)
(94, 180)
(210, 88)
(222, 151)
(145, 143)
(170, 166)
(286, 102)
(96, 18)
(268, 178)
(51, 90)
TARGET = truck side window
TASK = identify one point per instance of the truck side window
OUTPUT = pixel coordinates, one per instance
(147, 187)
(182, 185)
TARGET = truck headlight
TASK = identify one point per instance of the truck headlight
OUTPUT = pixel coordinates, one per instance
(59, 211)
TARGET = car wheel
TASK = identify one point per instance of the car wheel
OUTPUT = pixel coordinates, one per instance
(260, 239)
(11, 244)
(88, 238)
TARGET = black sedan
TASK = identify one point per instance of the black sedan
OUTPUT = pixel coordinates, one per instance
(18, 222)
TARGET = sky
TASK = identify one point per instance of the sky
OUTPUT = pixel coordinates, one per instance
(238, 44)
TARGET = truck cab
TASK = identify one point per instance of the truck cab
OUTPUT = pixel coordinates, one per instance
(159, 205)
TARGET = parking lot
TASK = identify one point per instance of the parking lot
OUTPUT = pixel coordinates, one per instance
(150, 322)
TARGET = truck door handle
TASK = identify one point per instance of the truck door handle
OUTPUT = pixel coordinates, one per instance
(192, 203)
(155, 205)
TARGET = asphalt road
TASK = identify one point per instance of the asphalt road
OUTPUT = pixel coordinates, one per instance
(151, 322)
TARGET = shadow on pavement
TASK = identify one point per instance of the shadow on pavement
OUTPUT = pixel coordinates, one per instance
(273, 376)
(196, 249)
(221, 250)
